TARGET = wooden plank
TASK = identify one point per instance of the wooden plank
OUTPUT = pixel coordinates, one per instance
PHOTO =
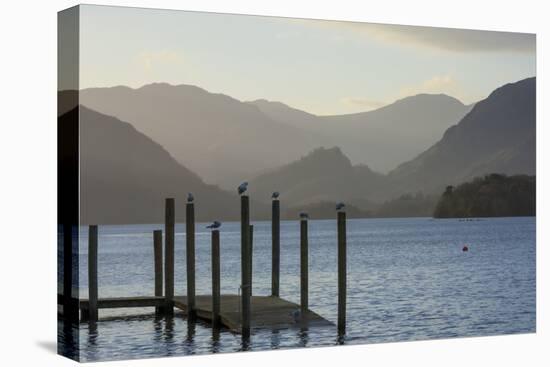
(124, 302)
(267, 312)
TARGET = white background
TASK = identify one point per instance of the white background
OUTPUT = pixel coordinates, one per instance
(28, 183)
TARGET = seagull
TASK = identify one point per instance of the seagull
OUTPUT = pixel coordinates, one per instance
(340, 206)
(275, 195)
(304, 215)
(214, 225)
(242, 188)
(190, 198)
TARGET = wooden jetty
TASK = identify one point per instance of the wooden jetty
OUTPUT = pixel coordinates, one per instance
(238, 313)
(267, 312)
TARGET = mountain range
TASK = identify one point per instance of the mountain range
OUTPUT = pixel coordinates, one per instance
(126, 172)
(497, 135)
(382, 138)
(226, 141)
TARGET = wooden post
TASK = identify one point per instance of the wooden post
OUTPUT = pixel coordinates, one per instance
(70, 304)
(215, 278)
(251, 256)
(304, 303)
(157, 247)
(169, 234)
(92, 273)
(342, 272)
(275, 247)
(245, 266)
(190, 256)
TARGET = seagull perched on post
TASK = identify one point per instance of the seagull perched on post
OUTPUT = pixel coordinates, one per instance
(190, 197)
(214, 225)
(304, 215)
(242, 188)
(340, 206)
(275, 195)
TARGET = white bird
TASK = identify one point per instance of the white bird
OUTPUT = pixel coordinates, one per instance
(304, 215)
(340, 206)
(242, 188)
(190, 197)
(214, 225)
(275, 195)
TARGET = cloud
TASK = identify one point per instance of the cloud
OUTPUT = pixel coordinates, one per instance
(439, 84)
(445, 39)
(367, 104)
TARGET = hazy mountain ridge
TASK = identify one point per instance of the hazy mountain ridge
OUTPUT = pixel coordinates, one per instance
(126, 176)
(322, 175)
(226, 141)
(498, 135)
(222, 139)
(381, 138)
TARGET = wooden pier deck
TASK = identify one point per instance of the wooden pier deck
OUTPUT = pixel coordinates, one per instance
(267, 312)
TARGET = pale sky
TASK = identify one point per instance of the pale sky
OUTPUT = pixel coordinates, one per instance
(322, 67)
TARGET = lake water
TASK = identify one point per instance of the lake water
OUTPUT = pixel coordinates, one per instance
(408, 279)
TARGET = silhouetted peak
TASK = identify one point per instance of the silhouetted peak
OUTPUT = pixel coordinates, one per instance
(425, 98)
(328, 156)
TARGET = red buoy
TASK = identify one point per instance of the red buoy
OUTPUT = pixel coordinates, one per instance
(465, 248)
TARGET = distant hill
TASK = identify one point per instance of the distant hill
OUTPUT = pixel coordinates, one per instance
(382, 138)
(220, 138)
(125, 177)
(497, 135)
(322, 175)
(494, 195)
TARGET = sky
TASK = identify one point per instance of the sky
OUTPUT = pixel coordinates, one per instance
(322, 67)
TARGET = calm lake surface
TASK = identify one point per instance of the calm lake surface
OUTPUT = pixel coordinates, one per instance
(408, 279)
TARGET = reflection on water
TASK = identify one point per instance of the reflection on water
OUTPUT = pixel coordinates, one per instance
(408, 279)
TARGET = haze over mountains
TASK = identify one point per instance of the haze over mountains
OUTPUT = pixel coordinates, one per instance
(382, 138)
(125, 177)
(221, 139)
(226, 141)
(498, 135)
(126, 173)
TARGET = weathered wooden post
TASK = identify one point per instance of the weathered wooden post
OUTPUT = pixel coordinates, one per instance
(190, 258)
(304, 302)
(92, 273)
(70, 304)
(169, 237)
(251, 259)
(245, 266)
(275, 247)
(342, 272)
(157, 247)
(215, 278)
